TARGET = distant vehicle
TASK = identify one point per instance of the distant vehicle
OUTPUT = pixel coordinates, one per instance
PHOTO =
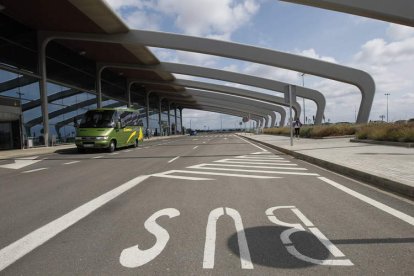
(109, 128)
(193, 133)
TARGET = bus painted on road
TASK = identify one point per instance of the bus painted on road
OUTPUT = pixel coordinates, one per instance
(109, 128)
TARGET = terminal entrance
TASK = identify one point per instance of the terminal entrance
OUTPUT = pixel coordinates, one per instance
(10, 130)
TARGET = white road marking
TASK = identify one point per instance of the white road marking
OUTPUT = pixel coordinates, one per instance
(257, 158)
(172, 160)
(127, 150)
(200, 166)
(241, 161)
(69, 163)
(262, 149)
(195, 147)
(135, 257)
(20, 163)
(226, 174)
(261, 152)
(31, 241)
(97, 157)
(114, 153)
(258, 167)
(211, 233)
(402, 216)
(167, 175)
(35, 170)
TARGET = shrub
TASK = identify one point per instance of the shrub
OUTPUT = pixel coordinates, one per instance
(381, 132)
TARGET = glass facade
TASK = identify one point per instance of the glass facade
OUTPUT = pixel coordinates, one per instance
(70, 89)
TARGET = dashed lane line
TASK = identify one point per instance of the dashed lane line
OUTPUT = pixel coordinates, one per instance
(35, 170)
(172, 160)
(69, 163)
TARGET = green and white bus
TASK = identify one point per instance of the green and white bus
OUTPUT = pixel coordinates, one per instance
(109, 128)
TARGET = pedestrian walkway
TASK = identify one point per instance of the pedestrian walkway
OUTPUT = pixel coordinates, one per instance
(385, 166)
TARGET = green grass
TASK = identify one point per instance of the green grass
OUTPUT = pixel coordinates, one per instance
(380, 132)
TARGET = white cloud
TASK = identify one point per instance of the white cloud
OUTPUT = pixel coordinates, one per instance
(214, 18)
(399, 32)
(311, 53)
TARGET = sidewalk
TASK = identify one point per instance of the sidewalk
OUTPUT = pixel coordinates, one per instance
(388, 167)
(18, 153)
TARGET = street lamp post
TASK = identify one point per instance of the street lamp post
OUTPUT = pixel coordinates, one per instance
(387, 94)
(304, 109)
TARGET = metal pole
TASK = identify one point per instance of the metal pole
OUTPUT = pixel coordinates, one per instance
(159, 116)
(290, 115)
(43, 89)
(147, 109)
(99, 70)
(387, 94)
(175, 119)
(169, 120)
(181, 120)
(129, 84)
(304, 109)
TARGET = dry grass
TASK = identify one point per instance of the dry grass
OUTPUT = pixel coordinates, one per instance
(381, 132)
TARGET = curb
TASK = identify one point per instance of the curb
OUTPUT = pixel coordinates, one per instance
(373, 180)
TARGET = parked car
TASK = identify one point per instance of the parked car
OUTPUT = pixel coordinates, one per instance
(193, 133)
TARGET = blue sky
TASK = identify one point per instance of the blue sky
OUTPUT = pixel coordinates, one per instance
(384, 50)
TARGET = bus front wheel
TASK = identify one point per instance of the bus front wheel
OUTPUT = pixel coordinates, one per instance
(112, 146)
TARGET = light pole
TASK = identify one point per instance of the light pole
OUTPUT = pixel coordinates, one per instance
(304, 109)
(387, 94)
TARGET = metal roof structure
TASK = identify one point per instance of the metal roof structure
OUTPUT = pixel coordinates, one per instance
(102, 47)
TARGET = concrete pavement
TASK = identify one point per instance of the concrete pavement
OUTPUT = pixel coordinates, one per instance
(388, 167)
(7, 154)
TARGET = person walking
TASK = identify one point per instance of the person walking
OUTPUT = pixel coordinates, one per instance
(297, 124)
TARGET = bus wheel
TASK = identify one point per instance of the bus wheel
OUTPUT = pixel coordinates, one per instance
(112, 146)
(136, 143)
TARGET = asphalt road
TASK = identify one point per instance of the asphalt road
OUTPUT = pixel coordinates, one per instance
(214, 204)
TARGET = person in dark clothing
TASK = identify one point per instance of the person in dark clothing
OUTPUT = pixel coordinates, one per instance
(297, 124)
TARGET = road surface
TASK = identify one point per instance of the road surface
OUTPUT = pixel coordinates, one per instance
(207, 204)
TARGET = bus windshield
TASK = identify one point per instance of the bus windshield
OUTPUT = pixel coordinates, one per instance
(98, 119)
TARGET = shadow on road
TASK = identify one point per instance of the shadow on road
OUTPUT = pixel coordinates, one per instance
(267, 249)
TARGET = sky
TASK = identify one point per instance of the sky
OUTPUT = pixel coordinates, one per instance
(382, 49)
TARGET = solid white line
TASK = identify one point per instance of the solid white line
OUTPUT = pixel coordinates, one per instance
(21, 247)
(228, 174)
(172, 160)
(195, 147)
(262, 149)
(379, 205)
(255, 171)
(241, 161)
(69, 163)
(97, 157)
(180, 177)
(260, 157)
(258, 167)
(35, 170)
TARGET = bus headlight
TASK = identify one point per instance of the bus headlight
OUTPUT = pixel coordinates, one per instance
(101, 138)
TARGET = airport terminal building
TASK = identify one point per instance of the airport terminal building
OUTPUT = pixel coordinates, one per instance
(71, 68)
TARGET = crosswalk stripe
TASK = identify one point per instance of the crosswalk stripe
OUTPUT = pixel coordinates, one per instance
(254, 171)
(259, 158)
(227, 174)
(269, 162)
(258, 167)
